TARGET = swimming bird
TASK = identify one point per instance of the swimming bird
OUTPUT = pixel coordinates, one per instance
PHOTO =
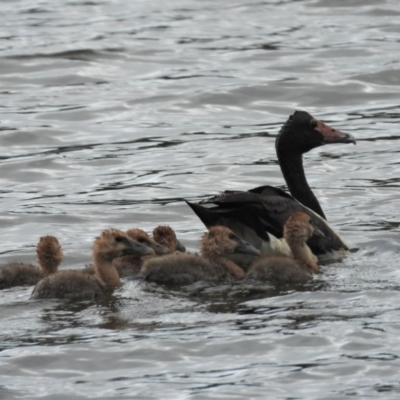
(78, 285)
(130, 264)
(165, 235)
(211, 265)
(49, 255)
(258, 215)
(298, 268)
(142, 237)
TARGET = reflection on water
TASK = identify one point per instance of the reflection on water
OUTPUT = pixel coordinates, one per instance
(112, 113)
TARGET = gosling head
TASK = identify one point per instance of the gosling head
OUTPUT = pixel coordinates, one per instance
(299, 227)
(165, 235)
(49, 254)
(113, 243)
(220, 241)
(142, 237)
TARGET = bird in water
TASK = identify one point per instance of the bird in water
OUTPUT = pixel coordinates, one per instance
(258, 215)
(49, 255)
(79, 285)
(130, 264)
(165, 235)
(297, 268)
(211, 265)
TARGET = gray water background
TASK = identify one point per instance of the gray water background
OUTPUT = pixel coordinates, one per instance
(113, 112)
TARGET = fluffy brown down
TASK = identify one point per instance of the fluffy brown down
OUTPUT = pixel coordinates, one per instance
(49, 256)
(183, 268)
(142, 237)
(130, 265)
(166, 236)
(76, 284)
(280, 269)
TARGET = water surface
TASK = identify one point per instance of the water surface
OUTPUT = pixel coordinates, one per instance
(113, 112)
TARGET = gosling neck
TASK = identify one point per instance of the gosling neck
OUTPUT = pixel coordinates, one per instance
(49, 267)
(301, 252)
(105, 269)
(230, 266)
(49, 262)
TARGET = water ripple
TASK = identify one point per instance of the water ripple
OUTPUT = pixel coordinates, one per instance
(113, 113)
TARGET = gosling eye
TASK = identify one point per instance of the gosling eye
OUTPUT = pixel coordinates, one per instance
(310, 221)
(119, 239)
(141, 240)
(313, 124)
(232, 236)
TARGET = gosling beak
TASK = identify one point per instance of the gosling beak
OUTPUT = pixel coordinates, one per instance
(246, 248)
(180, 247)
(318, 232)
(160, 249)
(137, 248)
(331, 135)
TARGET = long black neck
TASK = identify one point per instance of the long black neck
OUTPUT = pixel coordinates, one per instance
(291, 163)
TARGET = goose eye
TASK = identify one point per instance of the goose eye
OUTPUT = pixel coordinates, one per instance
(313, 123)
(119, 239)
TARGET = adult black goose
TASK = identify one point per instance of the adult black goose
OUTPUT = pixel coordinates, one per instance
(258, 215)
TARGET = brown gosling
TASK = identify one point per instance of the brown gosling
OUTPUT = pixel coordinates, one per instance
(49, 255)
(212, 265)
(280, 269)
(129, 265)
(166, 236)
(78, 285)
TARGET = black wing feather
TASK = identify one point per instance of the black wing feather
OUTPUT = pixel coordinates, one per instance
(264, 209)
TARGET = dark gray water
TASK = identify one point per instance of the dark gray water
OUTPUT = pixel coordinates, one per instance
(112, 112)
